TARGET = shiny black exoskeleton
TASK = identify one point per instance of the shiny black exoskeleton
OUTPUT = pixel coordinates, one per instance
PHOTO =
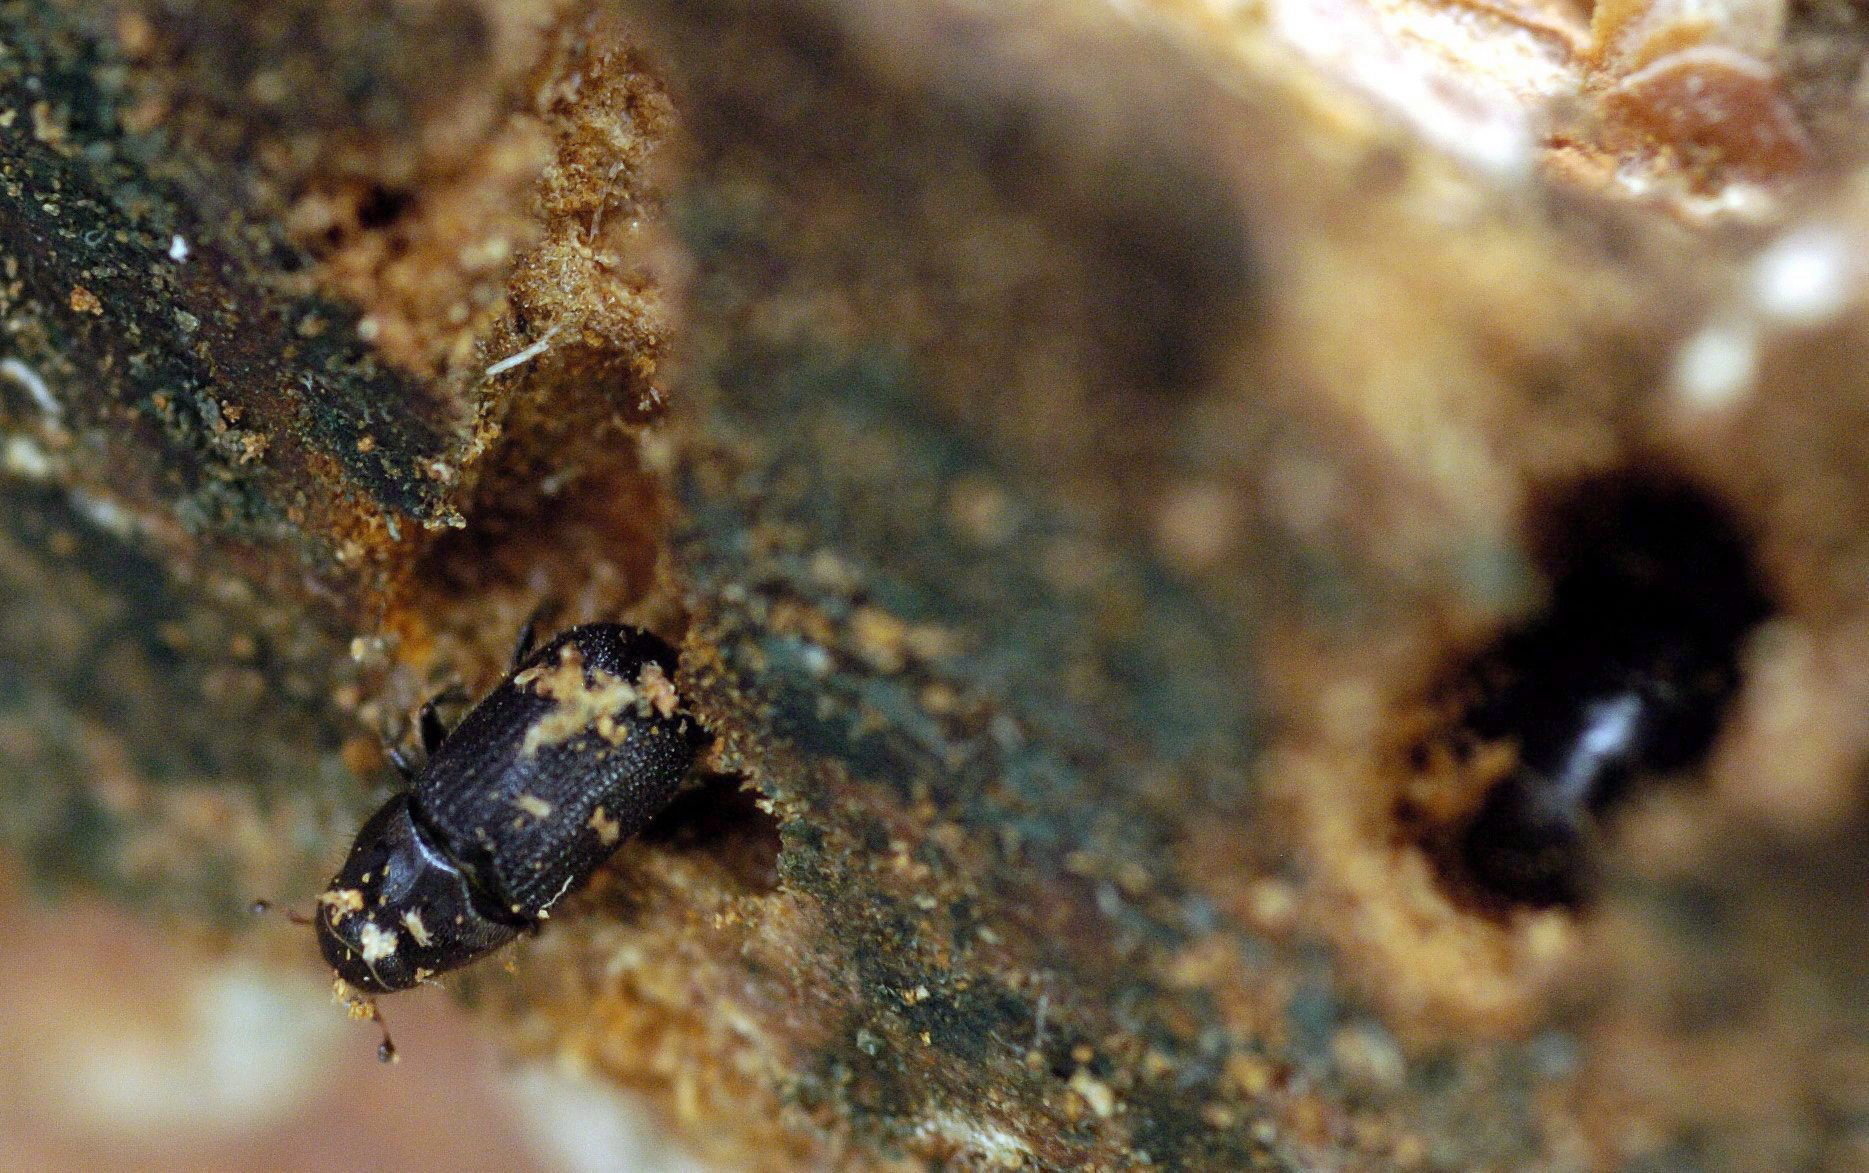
(537, 786)
(1627, 673)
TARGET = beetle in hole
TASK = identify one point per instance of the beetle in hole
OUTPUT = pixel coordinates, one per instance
(575, 751)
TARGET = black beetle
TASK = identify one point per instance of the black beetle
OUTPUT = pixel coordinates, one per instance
(1532, 839)
(578, 748)
(1626, 676)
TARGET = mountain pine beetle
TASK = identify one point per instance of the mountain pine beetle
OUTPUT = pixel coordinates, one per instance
(578, 748)
(1626, 676)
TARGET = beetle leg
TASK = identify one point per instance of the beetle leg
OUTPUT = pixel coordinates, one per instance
(429, 722)
(528, 634)
(429, 729)
(400, 759)
(522, 647)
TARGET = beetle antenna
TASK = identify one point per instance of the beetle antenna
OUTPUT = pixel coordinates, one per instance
(263, 907)
(361, 1005)
(385, 1050)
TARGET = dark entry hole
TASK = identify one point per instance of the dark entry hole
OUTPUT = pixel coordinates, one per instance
(723, 820)
(1624, 677)
(382, 206)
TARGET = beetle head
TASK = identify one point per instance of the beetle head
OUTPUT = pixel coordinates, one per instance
(399, 911)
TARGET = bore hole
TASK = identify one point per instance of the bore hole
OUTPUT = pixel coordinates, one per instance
(722, 820)
(381, 206)
(1624, 677)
